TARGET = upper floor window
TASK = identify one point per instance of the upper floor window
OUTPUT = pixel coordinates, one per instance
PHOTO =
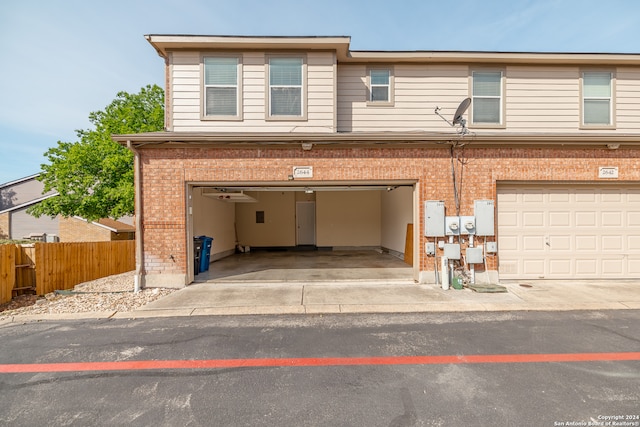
(597, 98)
(221, 87)
(286, 94)
(380, 86)
(487, 97)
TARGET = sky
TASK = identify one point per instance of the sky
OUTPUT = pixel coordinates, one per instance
(63, 59)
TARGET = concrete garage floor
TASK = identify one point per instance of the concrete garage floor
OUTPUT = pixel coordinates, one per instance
(308, 266)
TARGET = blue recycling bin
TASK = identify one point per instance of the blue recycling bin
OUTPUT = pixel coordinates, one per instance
(206, 252)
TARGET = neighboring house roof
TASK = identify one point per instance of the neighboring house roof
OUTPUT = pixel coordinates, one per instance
(112, 225)
(22, 193)
(29, 203)
(18, 181)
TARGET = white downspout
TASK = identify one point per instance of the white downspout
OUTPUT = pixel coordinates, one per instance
(137, 278)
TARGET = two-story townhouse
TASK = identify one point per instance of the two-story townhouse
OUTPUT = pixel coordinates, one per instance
(289, 141)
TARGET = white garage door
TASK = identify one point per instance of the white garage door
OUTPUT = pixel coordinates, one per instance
(568, 231)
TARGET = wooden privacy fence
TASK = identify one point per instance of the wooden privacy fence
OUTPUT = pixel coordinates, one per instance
(47, 267)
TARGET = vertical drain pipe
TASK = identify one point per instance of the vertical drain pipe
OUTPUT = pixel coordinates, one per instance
(137, 278)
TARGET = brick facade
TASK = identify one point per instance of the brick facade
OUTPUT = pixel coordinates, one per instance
(166, 171)
(4, 225)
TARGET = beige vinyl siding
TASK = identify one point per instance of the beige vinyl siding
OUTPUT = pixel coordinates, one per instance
(628, 99)
(418, 90)
(186, 93)
(542, 99)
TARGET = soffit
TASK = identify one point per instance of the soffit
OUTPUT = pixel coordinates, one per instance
(340, 44)
(173, 139)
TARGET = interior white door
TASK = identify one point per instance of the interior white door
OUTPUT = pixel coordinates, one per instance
(306, 223)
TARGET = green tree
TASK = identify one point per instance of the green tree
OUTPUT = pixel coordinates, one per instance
(94, 176)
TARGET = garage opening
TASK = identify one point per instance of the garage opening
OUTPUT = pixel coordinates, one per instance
(319, 232)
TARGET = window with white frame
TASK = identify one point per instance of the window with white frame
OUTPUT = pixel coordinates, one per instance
(487, 97)
(597, 97)
(285, 86)
(221, 89)
(379, 85)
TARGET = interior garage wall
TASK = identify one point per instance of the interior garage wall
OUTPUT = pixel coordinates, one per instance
(348, 218)
(279, 227)
(215, 219)
(397, 212)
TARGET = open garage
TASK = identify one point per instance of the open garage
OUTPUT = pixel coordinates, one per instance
(311, 231)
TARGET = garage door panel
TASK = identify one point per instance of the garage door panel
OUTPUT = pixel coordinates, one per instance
(611, 266)
(633, 219)
(532, 196)
(560, 243)
(584, 196)
(508, 219)
(634, 266)
(533, 243)
(587, 267)
(611, 196)
(633, 242)
(533, 219)
(612, 243)
(611, 219)
(586, 243)
(568, 230)
(585, 219)
(559, 219)
(510, 243)
(556, 196)
(534, 267)
(560, 266)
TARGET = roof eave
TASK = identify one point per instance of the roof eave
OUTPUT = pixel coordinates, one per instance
(376, 138)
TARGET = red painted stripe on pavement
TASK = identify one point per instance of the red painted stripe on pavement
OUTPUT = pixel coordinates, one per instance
(136, 365)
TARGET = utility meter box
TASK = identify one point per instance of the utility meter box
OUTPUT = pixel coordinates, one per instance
(484, 212)
(452, 250)
(474, 255)
(434, 218)
(430, 248)
(467, 225)
(452, 225)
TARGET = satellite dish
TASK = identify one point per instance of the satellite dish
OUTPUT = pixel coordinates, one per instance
(462, 108)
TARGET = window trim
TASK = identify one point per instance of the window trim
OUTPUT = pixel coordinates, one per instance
(203, 89)
(612, 99)
(391, 101)
(502, 124)
(304, 99)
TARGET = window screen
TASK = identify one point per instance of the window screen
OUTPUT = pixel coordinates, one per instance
(221, 86)
(380, 84)
(487, 97)
(285, 86)
(596, 94)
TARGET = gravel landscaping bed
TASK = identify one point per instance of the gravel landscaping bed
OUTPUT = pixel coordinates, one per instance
(112, 293)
